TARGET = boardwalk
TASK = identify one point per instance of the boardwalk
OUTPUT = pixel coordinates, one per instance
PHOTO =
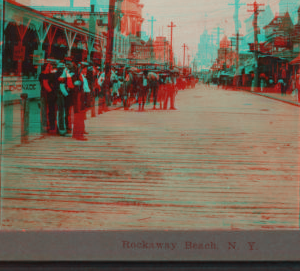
(224, 160)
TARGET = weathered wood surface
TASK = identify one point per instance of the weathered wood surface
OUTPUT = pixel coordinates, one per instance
(224, 160)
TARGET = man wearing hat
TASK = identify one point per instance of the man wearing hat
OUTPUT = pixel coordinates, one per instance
(170, 91)
(115, 86)
(61, 93)
(91, 76)
(101, 101)
(48, 98)
(127, 89)
(145, 88)
(79, 109)
(64, 101)
(161, 90)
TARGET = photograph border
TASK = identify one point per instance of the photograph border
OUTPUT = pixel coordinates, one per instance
(219, 246)
(207, 246)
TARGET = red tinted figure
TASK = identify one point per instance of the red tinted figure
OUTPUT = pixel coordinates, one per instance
(48, 98)
(298, 83)
(283, 81)
(79, 108)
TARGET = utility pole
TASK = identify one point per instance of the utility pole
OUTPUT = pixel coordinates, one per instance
(171, 49)
(184, 47)
(218, 31)
(237, 5)
(109, 47)
(255, 11)
(152, 21)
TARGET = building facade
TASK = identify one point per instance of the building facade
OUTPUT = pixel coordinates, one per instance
(291, 7)
(161, 50)
(279, 34)
(296, 35)
(93, 16)
(132, 19)
(264, 18)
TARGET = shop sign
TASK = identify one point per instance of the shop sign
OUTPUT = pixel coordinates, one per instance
(38, 57)
(22, 86)
(19, 53)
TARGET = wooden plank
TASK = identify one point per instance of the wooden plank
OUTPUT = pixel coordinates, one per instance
(219, 162)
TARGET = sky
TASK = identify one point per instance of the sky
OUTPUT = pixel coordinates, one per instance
(189, 18)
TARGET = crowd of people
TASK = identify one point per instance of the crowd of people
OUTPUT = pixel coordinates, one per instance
(70, 89)
(285, 80)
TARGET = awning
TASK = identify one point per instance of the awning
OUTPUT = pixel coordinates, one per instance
(295, 61)
(271, 56)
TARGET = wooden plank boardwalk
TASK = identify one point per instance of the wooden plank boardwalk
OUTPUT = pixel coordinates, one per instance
(225, 160)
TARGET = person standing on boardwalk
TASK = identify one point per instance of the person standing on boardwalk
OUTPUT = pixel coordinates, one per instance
(173, 91)
(160, 94)
(283, 79)
(79, 109)
(115, 86)
(91, 77)
(127, 89)
(167, 90)
(69, 99)
(47, 100)
(66, 101)
(101, 101)
(143, 86)
(62, 93)
(153, 86)
(170, 91)
(298, 84)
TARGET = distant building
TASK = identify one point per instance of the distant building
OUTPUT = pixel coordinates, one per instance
(207, 50)
(161, 50)
(296, 35)
(226, 55)
(132, 19)
(279, 34)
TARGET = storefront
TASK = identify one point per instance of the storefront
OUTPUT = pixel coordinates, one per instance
(29, 38)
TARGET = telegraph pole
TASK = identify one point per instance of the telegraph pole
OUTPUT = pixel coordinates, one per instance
(255, 11)
(109, 47)
(219, 31)
(171, 51)
(237, 5)
(184, 47)
(152, 21)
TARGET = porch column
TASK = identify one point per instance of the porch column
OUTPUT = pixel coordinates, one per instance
(90, 46)
(22, 31)
(42, 34)
(70, 40)
(51, 35)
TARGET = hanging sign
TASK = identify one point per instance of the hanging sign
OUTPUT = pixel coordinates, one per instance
(38, 57)
(19, 53)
